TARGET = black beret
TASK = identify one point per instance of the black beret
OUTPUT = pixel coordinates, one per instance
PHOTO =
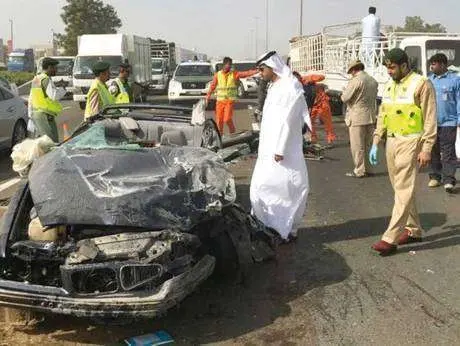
(47, 62)
(100, 66)
(396, 56)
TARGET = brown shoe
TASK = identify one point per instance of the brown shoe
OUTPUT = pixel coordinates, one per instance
(384, 248)
(406, 238)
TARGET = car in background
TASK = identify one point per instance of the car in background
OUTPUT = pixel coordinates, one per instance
(13, 118)
(246, 86)
(190, 82)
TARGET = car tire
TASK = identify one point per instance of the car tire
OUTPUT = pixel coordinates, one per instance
(19, 133)
(241, 91)
(210, 137)
(82, 105)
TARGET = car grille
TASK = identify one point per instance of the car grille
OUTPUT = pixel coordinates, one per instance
(154, 82)
(193, 85)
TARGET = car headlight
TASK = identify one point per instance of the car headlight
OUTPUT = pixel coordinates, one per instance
(175, 85)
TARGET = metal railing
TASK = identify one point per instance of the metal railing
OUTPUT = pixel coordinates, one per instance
(336, 46)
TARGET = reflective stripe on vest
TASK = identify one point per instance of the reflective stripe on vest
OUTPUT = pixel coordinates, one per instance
(401, 116)
(226, 86)
(105, 97)
(123, 96)
(40, 101)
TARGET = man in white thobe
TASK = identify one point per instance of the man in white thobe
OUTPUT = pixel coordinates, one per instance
(279, 185)
(370, 36)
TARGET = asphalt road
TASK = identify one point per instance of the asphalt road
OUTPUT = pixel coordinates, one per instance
(328, 288)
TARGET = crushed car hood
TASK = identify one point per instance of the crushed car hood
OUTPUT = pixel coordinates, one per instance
(163, 187)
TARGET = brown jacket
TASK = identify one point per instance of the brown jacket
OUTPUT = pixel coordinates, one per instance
(425, 98)
(360, 96)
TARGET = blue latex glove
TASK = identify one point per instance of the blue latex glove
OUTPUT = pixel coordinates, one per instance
(373, 155)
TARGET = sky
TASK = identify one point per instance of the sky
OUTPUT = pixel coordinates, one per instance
(222, 27)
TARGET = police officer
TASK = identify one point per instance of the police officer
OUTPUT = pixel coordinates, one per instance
(120, 87)
(44, 100)
(408, 119)
(98, 95)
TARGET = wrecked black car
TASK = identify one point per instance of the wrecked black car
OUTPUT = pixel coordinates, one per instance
(122, 220)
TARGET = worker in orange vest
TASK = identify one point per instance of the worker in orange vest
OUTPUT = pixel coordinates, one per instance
(225, 84)
(321, 108)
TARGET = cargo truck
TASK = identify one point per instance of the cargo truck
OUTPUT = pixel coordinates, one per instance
(114, 49)
(21, 60)
(331, 51)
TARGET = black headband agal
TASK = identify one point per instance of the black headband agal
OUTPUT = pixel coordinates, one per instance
(265, 57)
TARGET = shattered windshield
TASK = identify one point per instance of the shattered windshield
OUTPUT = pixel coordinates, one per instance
(96, 137)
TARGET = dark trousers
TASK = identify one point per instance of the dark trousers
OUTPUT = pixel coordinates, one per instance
(443, 157)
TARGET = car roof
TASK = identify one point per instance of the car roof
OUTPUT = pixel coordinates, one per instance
(188, 63)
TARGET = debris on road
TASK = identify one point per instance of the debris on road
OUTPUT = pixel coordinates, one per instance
(155, 339)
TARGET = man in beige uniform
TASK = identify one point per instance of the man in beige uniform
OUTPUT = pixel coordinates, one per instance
(408, 119)
(360, 96)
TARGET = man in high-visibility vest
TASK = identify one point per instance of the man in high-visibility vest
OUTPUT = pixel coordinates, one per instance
(225, 83)
(120, 87)
(408, 120)
(44, 100)
(98, 95)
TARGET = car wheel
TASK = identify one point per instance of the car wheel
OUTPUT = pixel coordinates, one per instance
(210, 137)
(241, 92)
(19, 133)
(82, 105)
(223, 249)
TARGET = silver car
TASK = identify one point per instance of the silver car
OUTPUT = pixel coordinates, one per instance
(13, 118)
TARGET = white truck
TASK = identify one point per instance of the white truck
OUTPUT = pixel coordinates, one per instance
(160, 76)
(331, 51)
(64, 71)
(115, 49)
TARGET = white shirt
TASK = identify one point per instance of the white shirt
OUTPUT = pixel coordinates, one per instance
(371, 28)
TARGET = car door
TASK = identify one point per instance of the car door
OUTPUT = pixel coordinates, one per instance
(8, 116)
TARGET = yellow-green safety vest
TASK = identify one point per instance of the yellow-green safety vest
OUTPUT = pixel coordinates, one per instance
(40, 101)
(401, 116)
(226, 86)
(105, 97)
(123, 96)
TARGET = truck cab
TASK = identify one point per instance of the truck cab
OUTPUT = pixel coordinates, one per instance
(21, 61)
(420, 49)
(83, 74)
(114, 49)
(160, 75)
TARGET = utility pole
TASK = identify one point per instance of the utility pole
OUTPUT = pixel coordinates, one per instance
(266, 25)
(256, 38)
(301, 17)
(11, 33)
(53, 42)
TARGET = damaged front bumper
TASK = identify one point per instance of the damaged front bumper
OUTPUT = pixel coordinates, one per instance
(120, 305)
